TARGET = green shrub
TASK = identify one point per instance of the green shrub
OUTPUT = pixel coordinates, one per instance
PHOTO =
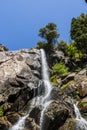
(54, 80)
(73, 52)
(41, 44)
(60, 69)
(62, 46)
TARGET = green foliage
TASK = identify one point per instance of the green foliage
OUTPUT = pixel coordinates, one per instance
(49, 33)
(40, 45)
(72, 50)
(54, 80)
(62, 46)
(79, 32)
(60, 69)
(75, 94)
(67, 84)
(47, 47)
(82, 103)
(1, 111)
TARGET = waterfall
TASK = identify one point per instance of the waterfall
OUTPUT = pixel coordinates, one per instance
(81, 122)
(43, 100)
(45, 77)
(48, 87)
(21, 122)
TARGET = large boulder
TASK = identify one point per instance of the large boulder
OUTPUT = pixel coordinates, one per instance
(67, 125)
(68, 78)
(83, 106)
(35, 113)
(19, 76)
(81, 82)
(55, 115)
(4, 123)
(13, 118)
(54, 57)
(30, 124)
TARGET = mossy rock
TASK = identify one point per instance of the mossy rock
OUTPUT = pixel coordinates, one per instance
(67, 84)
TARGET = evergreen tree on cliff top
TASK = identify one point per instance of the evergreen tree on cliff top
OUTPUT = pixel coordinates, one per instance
(79, 32)
(49, 35)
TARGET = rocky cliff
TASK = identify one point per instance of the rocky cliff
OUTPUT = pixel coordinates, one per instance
(20, 74)
(20, 80)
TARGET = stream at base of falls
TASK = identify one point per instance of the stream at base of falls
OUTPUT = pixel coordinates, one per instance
(81, 123)
(44, 101)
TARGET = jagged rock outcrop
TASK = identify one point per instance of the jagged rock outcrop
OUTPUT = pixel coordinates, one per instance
(36, 113)
(81, 82)
(55, 115)
(20, 82)
(31, 125)
(4, 123)
(20, 74)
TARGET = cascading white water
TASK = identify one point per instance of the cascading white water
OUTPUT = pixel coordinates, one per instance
(21, 122)
(42, 114)
(48, 87)
(81, 122)
(40, 100)
(45, 77)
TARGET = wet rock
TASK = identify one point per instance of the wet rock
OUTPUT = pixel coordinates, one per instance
(31, 125)
(13, 118)
(35, 113)
(67, 125)
(73, 124)
(4, 124)
(78, 125)
(55, 115)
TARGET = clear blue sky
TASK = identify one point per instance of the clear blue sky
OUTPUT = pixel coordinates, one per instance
(20, 20)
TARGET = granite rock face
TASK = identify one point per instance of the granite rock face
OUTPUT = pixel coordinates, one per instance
(21, 81)
(19, 75)
(81, 82)
(55, 115)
